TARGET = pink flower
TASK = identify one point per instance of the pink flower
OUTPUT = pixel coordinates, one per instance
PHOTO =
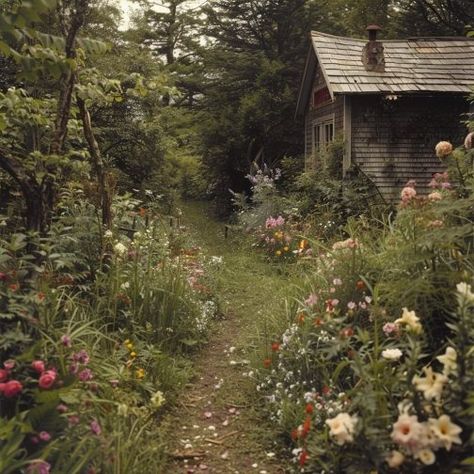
(62, 408)
(38, 466)
(9, 364)
(66, 340)
(3, 375)
(82, 357)
(11, 388)
(85, 375)
(74, 368)
(435, 196)
(95, 428)
(73, 420)
(390, 328)
(351, 305)
(38, 366)
(408, 193)
(311, 300)
(44, 436)
(34, 439)
(47, 379)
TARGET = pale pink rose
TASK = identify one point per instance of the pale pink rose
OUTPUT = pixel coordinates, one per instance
(47, 379)
(38, 366)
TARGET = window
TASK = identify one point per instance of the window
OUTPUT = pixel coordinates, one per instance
(323, 133)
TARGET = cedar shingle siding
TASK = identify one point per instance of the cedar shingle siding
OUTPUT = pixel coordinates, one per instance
(391, 118)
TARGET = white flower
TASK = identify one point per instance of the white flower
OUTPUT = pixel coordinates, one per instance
(446, 431)
(125, 285)
(342, 428)
(465, 292)
(449, 359)
(120, 249)
(431, 385)
(395, 459)
(157, 399)
(410, 320)
(122, 410)
(406, 430)
(108, 234)
(426, 456)
(392, 354)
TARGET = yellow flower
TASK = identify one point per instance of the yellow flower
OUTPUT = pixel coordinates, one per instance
(278, 253)
(286, 249)
(129, 346)
(133, 354)
(127, 341)
(140, 373)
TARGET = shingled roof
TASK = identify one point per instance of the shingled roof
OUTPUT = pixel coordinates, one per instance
(418, 65)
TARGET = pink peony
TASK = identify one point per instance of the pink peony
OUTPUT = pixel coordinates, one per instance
(11, 388)
(38, 366)
(47, 379)
(408, 193)
(82, 357)
(3, 375)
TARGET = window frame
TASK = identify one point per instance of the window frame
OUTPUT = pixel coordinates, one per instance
(319, 125)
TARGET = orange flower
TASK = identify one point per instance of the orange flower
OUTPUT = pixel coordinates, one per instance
(318, 322)
(347, 332)
(267, 363)
(14, 286)
(360, 285)
(294, 434)
(300, 318)
(309, 409)
(275, 346)
(41, 296)
(306, 426)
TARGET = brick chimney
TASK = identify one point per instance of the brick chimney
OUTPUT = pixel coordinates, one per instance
(372, 55)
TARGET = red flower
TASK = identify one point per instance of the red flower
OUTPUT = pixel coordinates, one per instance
(14, 286)
(3, 276)
(306, 426)
(38, 366)
(3, 375)
(47, 379)
(318, 322)
(303, 457)
(300, 318)
(309, 409)
(267, 363)
(41, 296)
(360, 285)
(11, 388)
(347, 332)
(326, 390)
(275, 347)
(294, 434)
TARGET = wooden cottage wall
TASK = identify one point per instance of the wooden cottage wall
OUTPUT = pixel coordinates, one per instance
(393, 141)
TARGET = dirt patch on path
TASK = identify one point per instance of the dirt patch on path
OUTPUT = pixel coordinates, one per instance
(217, 427)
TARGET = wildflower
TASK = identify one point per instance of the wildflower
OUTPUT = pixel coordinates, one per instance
(465, 291)
(278, 253)
(435, 196)
(120, 249)
(73, 420)
(406, 430)
(44, 436)
(3, 276)
(342, 428)
(62, 408)
(407, 194)
(469, 141)
(392, 354)
(286, 249)
(275, 346)
(14, 286)
(426, 456)
(157, 399)
(3, 375)
(443, 149)
(122, 409)
(38, 466)
(303, 457)
(114, 383)
(337, 282)
(311, 300)
(431, 385)
(38, 366)
(360, 285)
(74, 368)
(448, 359)
(445, 431)
(95, 428)
(389, 328)
(9, 364)
(66, 340)
(309, 409)
(133, 354)
(347, 332)
(351, 305)
(47, 379)
(410, 320)
(306, 427)
(395, 459)
(140, 373)
(267, 363)
(108, 234)
(85, 375)
(436, 224)
(82, 357)
(303, 244)
(11, 388)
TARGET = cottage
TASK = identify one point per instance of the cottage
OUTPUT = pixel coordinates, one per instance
(389, 101)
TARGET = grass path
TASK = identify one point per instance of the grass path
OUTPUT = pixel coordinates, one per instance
(217, 418)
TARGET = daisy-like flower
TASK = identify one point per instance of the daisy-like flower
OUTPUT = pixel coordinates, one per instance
(431, 384)
(449, 361)
(392, 354)
(342, 428)
(410, 320)
(446, 431)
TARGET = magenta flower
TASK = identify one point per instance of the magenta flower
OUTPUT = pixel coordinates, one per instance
(95, 428)
(82, 357)
(85, 375)
(66, 340)
(44, 436)
(311, 300)
(9, 364)
(74, 368)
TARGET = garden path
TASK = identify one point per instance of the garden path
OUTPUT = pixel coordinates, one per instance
(218, 419)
